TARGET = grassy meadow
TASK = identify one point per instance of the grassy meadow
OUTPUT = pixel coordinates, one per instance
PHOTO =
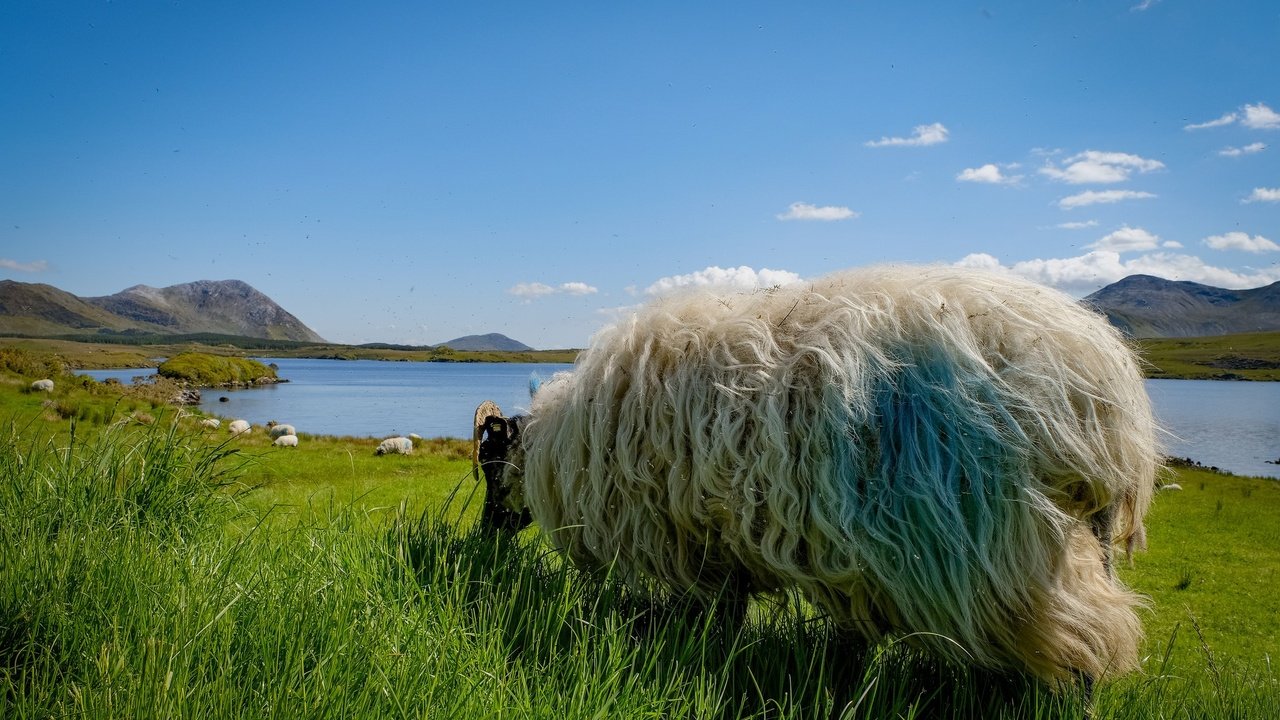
(150, 568)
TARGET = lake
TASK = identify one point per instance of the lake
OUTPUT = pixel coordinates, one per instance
(1231, 425)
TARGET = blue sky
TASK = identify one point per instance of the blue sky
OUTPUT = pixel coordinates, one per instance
(411, 172)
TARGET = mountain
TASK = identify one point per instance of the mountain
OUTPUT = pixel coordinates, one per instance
(1144, 307)
(226, 307)
(490, 342)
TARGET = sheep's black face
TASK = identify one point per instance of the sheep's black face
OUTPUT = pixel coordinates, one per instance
(499, 449)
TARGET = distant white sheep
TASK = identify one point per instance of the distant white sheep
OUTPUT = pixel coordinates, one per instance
(286, 441)
(239, 427)
(278, 430)
(395, 446)
(210, 423)
(45, 385)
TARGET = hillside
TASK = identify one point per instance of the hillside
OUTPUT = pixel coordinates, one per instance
(225, 307)
(1148, 307)
(486, 343)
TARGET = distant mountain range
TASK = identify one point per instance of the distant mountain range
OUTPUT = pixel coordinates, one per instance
(1147, 307)
(224, 307)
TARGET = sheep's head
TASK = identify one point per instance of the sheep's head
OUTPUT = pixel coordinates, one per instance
(499, 454)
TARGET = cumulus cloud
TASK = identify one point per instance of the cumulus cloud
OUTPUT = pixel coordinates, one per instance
(989, 173)
(1094, 166)
(534, 290)
(1263, 195)
(1092, 270)
(1093, 197)
(31, 267)
(921, 135)
(1241, 241)
(739, 278)
(1249, 149)
(1127, 239)
(805, 211)
(1257, 117)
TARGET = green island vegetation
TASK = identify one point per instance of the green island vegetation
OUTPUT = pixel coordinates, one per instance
(150, 567)
(215, 370)
(1246, 356)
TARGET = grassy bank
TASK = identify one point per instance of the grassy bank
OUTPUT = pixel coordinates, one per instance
(160, 570)
(1249, 356)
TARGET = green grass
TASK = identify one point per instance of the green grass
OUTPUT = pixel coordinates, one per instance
(1248, 356)
(159, 570)
(209, 370)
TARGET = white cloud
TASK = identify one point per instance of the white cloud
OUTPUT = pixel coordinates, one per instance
(921, 135)
(1260, 117)
(989, 173)
(1249, 149)
(805, 211)
(533, 290)
(1171, 244)
(1127, 239)
(1077, 225)
(1144, 5)
(1094, 166)
(1257, 117)
(1241, 241)
(1092, 270)
(31, 267)
(1092, 197)
(1263, 195)
(578, 288)
(740, 278)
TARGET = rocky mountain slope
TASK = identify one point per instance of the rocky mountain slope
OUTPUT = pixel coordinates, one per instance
(227, 307)
(1147, 307)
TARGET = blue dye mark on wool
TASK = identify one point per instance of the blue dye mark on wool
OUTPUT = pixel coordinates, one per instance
(535, 384)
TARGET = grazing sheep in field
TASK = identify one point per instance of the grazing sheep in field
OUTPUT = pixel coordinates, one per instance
(286, 441)
(45, 385)
(938, 454)
(239, 427)
(210, 423)
(278, 430)
(395, 446)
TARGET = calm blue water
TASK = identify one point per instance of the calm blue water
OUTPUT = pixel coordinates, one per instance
(1233, 425)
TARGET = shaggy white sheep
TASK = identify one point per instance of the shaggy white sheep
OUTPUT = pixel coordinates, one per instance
(278, 430)
(239, 427)
(210, 423)
(395, 446)
(286, 441)
(939, 454)
(45, 385)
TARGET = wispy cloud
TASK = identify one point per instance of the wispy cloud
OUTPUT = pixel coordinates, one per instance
(1241, 241)
(1263, 195)
(1257, 117)
(921, 135)
(1095, 197)
(740, 278)
(1077, 225)
(1249, 149)
(828, 213)
(1127, 239)
(1144, 6)
(1094, 166)
(533, 290)
(31, 267)
(1092, 270)
(990, 174)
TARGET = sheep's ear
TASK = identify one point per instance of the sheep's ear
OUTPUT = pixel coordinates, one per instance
(535, 383)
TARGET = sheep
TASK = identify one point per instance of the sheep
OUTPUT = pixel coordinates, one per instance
(210, 423)
(239, 427)
(277, 430)
(395, 446)
(939, 454)
(45, 385)
(286, 441)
